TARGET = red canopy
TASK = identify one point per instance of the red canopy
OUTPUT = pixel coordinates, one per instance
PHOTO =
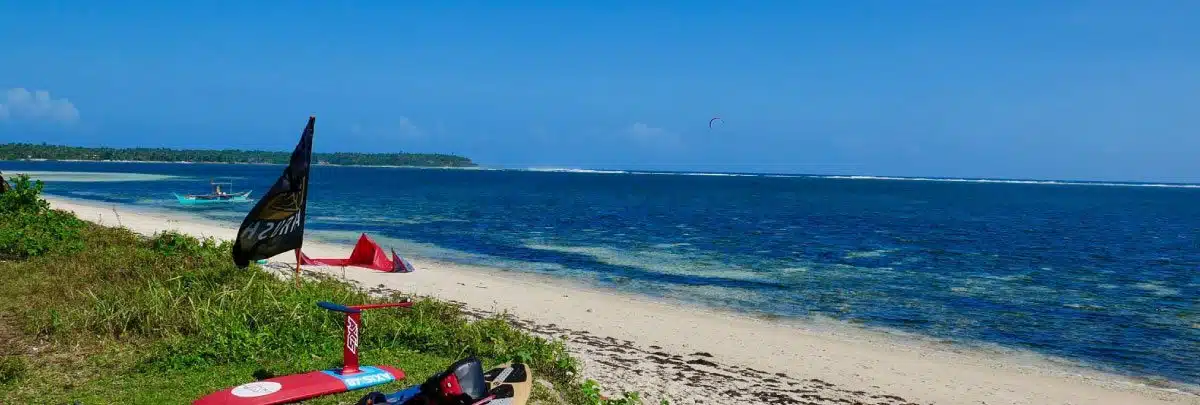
(366, 253)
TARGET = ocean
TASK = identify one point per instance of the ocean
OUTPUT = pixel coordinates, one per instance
(1101, 274)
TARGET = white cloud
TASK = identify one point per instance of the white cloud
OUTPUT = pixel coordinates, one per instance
(409, 129)
(641, 130)
(652, 135)
(394, 128)
(21, 104)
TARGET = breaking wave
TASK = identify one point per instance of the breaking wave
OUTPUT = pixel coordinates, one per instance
(1003, 181)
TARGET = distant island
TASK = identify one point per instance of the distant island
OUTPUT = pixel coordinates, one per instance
(24, 151)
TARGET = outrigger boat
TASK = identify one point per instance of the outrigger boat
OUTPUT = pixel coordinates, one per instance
(217, 195)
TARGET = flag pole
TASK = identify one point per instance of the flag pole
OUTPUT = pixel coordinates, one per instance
(297, 276)
(304, 204)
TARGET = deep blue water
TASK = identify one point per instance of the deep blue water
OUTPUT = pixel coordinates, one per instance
(1104, 274)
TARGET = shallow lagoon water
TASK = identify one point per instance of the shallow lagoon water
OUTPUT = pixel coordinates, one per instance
(1107, 274)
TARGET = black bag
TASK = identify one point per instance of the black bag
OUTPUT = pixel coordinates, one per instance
(461, 384)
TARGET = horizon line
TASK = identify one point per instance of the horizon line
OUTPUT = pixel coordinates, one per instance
(714, 173)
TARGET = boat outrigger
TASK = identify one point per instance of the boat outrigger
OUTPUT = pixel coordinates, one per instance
(217, 195)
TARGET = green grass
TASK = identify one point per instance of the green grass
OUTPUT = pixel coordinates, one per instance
(122, 318)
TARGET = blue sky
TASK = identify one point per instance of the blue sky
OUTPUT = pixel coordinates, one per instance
(1031, 89)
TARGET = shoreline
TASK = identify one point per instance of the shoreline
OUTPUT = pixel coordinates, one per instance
(658, 347)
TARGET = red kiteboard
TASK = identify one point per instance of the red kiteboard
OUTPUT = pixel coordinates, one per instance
(298, 387)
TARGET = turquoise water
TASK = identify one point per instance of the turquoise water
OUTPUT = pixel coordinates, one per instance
(1101, 273)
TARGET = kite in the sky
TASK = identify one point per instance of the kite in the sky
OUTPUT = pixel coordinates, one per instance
(714, 119)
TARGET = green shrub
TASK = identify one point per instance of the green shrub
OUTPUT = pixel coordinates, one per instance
(24, 196)
(29, 228)
(589, 394)
(172, 243)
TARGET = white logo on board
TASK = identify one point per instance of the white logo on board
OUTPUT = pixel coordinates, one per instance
(368, 380)
(256, 389)
(351, 335)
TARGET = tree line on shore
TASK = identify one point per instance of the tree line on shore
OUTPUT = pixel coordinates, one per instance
(25, 151)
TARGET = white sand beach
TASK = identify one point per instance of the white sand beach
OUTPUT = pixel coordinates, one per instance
(696, 355)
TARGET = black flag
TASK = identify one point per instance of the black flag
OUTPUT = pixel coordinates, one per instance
(276, 223)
